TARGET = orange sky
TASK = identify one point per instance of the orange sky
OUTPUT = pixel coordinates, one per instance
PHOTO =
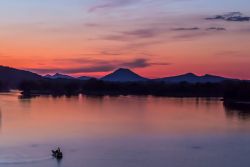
(155, 39)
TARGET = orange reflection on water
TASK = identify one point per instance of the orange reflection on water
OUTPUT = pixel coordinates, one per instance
(52, 119)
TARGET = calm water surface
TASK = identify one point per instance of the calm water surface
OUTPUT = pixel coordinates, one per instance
(122, 132)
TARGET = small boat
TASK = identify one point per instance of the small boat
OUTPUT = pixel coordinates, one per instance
(57, 154)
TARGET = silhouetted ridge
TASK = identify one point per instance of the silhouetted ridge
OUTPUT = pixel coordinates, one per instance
(123, 75)
(192, 78)
(126, 82)
(59, 76)
(189, 75)
(13, 77)
(126, 75)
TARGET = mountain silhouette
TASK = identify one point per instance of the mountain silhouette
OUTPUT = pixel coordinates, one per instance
(59, 76)
(192, 78)
(13, 77)
(123, 75)
(123, 82)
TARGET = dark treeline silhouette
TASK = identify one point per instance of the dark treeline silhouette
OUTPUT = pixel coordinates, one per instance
(3, 87)
(237, 96)
(230, 90)
(55, 87)
(238, 91)
(98, 87)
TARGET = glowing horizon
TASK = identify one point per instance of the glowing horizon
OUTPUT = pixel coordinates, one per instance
(153, 38)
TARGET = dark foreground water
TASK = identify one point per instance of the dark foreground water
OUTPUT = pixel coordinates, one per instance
(122, 132)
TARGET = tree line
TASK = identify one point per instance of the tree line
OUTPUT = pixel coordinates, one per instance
(233, 90)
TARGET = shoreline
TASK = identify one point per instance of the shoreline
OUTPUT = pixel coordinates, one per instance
(106, 93)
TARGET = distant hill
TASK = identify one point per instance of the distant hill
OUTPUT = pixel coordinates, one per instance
(33, 84)
(13, 77)
(59, 76)
(192, 78)
(85, 78)
(63, 76)
(126, 75)
(123, 75)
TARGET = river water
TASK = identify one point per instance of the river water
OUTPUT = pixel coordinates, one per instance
(122, 131)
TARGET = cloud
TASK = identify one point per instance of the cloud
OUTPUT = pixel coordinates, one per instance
(188, 36)
(245, 30)
(231, 17)
(216, 29)
(231, 54)
(136, 63)
(95, 65)
(146, 33)
(112, 4)
(157, 32)
(111, 53)
(191, 33)
(73, 70)
(186, 29)
(108, 4)
(135, 34)
(92, 25)
(198, 34)
(197, 28)
(136, 38)
(143, 33)
(115, 38)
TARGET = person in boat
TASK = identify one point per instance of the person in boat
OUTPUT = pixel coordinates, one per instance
(57, 153)
(58, 150)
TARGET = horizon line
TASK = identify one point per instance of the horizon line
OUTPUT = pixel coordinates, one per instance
(112, 71)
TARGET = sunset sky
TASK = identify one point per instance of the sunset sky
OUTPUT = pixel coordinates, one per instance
(155, 38)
